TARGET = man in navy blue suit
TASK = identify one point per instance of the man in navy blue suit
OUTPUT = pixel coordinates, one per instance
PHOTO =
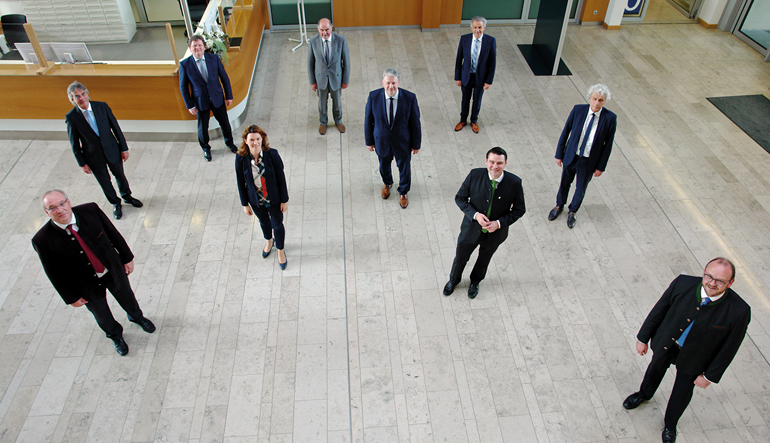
(474, 69)
(199, 80)
(392, 128)
(583, 149)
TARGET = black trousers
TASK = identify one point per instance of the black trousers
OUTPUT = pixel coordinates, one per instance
(475, 90)
(271, 221)
(220, 114)
(681, 393)
(577, 169)
(105, 181)
(125, 297)
(487, 243)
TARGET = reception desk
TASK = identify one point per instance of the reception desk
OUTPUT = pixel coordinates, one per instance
(137, 92)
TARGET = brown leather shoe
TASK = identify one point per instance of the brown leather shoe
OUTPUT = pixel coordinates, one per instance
(475, 127)
(322, 129)
(460, 126)
(385, 191)
(341, 128)
(404, 201)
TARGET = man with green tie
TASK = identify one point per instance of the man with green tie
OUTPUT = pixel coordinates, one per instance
(492, 199)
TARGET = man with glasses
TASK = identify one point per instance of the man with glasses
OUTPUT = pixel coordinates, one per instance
(83, 254)
(698, 325)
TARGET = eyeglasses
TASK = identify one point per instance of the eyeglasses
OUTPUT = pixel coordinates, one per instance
(709, 279)
(60, 205)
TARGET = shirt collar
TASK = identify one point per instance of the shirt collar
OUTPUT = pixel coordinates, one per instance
(203, 57)
(598, 113)
(87, 109)
(72, 221)
(479, 39)
(498, 179)
(330, 38)
(704, 295)
(395, 97)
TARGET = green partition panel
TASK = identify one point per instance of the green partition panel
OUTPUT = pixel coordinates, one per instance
(284, 12)
(493, 9)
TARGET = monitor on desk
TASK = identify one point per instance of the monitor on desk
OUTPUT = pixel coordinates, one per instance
(71, 53)
(28, 53)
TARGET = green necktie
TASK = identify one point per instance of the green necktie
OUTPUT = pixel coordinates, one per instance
(491, 199)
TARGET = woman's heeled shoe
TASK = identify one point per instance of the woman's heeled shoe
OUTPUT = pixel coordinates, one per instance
(265, 254)
(283, 265)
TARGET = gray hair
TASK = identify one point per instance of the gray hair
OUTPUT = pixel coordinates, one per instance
(600, 89)
(390, 71)
(53, 191)
(479, 18)
(74, 86)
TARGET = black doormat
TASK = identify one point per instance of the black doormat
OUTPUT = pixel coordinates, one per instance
(750, 112)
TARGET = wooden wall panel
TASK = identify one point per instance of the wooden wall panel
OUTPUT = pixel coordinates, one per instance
(589, 6)
(451, 12)
(134, 92)
(349, 13)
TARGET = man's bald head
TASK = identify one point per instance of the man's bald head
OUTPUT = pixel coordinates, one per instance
(325, 28)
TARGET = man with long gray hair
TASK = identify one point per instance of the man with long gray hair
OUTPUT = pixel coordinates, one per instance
(583, 149)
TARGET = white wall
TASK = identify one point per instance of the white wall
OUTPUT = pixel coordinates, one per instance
(10, 7)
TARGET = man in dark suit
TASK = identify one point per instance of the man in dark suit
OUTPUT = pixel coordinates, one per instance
(99, 144)
(392, 128)
(698, 325)
(583, 149)
(83, 254)
(206, 87)
(328, 68)
(474, 69)
(492, 200)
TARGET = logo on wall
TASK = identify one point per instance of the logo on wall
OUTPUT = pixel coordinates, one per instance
(634, 8)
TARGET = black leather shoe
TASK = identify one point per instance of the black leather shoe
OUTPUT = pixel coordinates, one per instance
(146, 324)
(233, 149)
(207, 154)
(117, 211)
(120, 345)
(668, 435)
(449, 287)
(473, 290)
(554, 213)
(133, 202)
(571, 220)
(634, 400)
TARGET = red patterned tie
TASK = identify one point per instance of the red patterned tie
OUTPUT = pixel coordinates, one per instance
(98, 266)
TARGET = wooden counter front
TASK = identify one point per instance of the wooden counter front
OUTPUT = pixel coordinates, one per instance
(134, 91)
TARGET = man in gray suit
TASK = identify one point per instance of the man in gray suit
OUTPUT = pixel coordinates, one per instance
(328, 68)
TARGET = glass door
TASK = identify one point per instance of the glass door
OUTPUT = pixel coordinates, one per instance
(754, 25)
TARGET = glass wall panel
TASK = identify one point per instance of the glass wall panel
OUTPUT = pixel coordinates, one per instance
(756, 25)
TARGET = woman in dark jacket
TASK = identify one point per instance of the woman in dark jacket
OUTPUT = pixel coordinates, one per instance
(262, 187)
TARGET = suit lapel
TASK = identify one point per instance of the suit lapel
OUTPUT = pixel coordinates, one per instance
(81, 119)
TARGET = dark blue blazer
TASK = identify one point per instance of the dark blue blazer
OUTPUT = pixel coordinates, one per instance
(473, 196)
(566, 149)
(717, 328)
(406, 134)
(202, 94)
(485, 65)
(89, 148)
(275, 180)
(64, 262)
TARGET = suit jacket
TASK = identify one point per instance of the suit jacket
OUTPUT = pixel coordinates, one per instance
(507, 206)
(717, 329)
(64, 262)
(406, 134)
(333, 74)
(485, 65)
(566, 149)
(200, 93)
(89, 148)
(275, 180)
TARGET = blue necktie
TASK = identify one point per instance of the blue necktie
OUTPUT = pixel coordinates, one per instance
(92, 121)
(326, 51)
(687, 331)
(474, 55)
(588, 132)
